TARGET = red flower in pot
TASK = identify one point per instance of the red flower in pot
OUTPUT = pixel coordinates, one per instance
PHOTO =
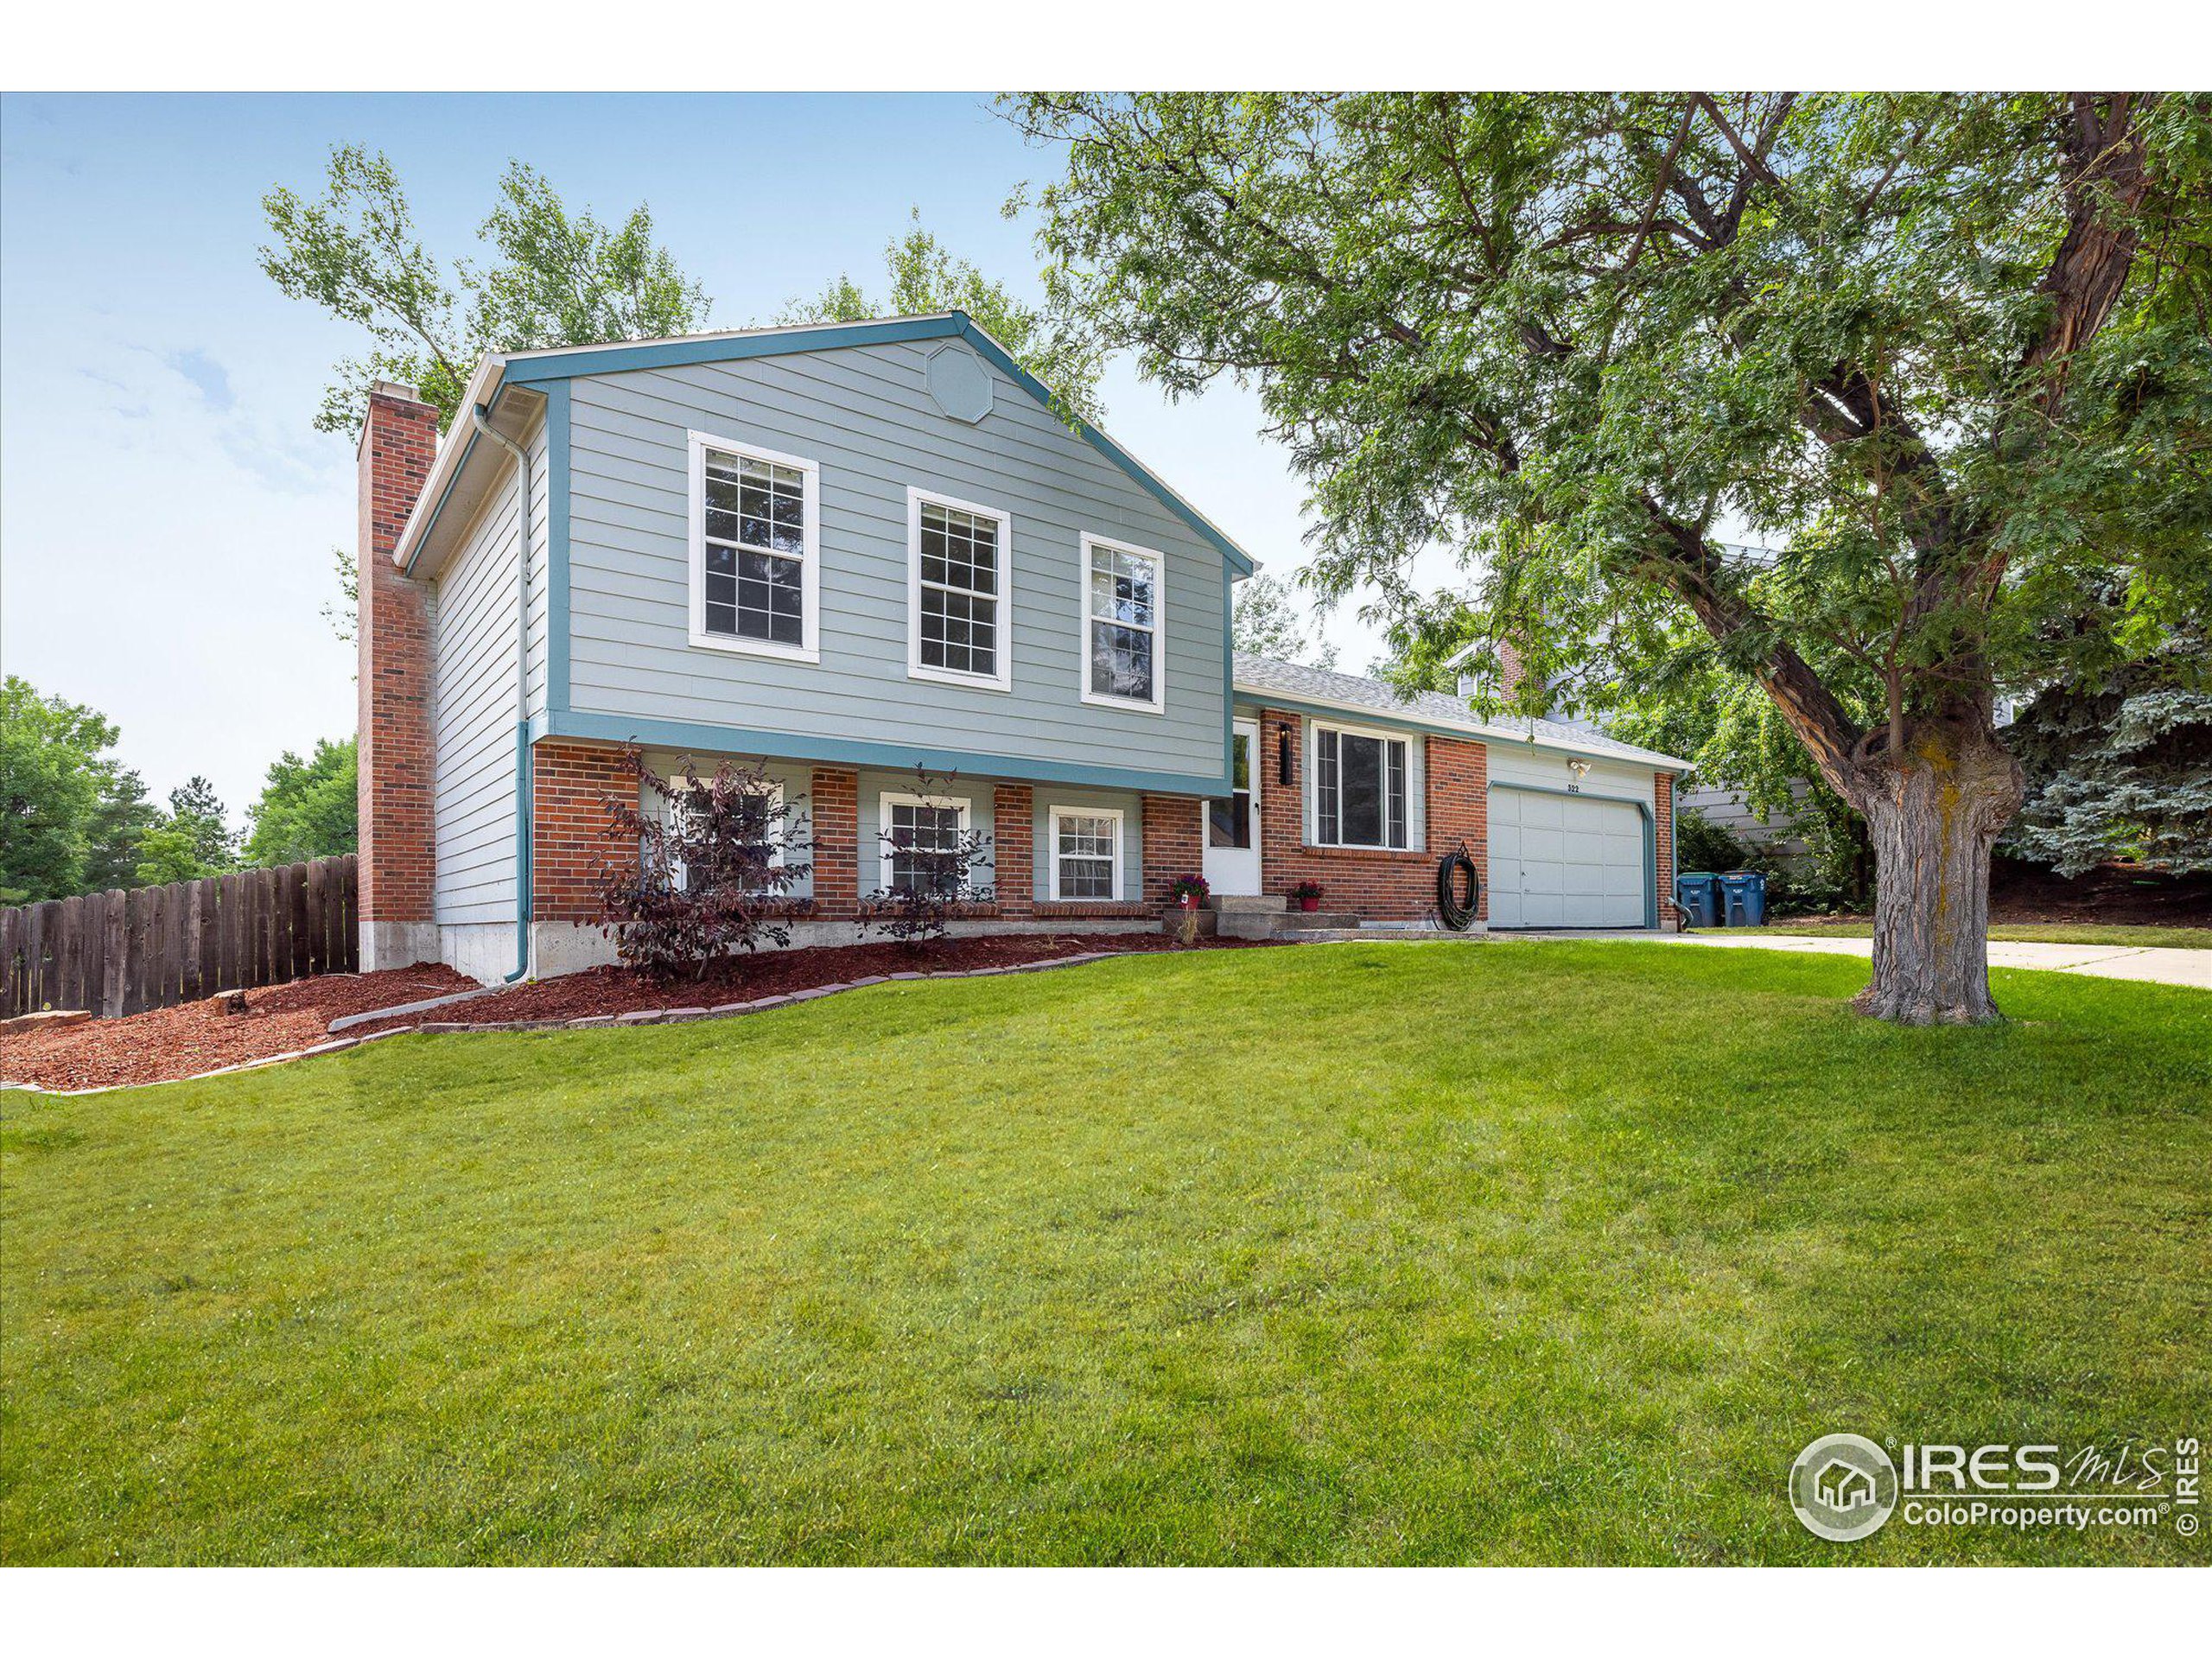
(1306, 895)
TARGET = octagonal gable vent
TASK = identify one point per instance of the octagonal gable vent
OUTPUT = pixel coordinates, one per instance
(959, 384)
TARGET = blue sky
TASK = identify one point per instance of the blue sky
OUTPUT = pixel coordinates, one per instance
(167, 509)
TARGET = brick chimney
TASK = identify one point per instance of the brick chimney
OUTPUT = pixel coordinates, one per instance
(399, 441)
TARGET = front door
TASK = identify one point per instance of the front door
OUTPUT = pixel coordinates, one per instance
(1232, 854)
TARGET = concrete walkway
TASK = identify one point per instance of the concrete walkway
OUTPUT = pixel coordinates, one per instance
(2162, 964)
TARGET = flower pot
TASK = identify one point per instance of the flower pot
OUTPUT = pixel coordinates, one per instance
(1309, 905)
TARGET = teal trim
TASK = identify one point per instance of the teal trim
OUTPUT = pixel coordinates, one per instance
(956, 325)
(1238, 559)
(1228, 691)
(854, 751)
(524, 771)
(556, 545)
(1650, 837)
(677, 354)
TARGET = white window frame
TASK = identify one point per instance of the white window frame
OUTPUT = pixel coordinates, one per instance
(892, 797)
(1313, 730)
(916, 669)
(1159, 563)
(1053, 817)
(809, 650)
(774, 792)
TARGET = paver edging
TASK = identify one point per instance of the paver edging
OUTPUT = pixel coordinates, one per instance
(591, 1021)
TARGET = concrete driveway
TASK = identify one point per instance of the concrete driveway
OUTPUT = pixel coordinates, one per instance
(2163, 965)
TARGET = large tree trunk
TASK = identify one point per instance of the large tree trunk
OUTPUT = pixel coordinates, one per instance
(1933, 808)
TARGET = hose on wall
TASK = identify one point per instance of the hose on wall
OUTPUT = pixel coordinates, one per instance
(1455, 912)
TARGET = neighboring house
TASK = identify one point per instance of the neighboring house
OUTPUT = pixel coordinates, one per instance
(850, 550)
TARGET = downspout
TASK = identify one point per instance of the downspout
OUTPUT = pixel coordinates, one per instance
(481, 416)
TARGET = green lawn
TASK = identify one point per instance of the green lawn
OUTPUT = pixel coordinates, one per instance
(2123, 933)
(1375, 1253)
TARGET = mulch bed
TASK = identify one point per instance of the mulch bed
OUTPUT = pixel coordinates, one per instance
(775, 973)
(201, 1037)
(195, 1037)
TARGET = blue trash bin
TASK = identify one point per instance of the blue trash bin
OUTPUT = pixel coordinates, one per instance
(1744, 894)
(1700, 895)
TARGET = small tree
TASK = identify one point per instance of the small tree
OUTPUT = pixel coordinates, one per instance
(933, 857)
(717, 858)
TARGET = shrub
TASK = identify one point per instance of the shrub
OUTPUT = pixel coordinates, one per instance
(937, 856)
(1703, 845)
(717, 858)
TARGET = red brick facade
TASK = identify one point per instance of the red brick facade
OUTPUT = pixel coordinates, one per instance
(1013, 854)
(1379, 886)
(1174, 843)
(834, 814)
(398, 775)
(1663, 819)
(571, 783)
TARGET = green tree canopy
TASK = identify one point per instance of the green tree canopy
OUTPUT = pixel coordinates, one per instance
(191, 840)
(307, 808)
(1267, 622)
(555, 278)
(70, 813)
(921, 277)
(1947, 355)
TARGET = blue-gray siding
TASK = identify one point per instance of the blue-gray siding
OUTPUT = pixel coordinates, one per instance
(474, 644)
(863, 413)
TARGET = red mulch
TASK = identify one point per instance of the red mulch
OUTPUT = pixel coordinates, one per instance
(777, 973)
(183, 1042)
(196, 1037)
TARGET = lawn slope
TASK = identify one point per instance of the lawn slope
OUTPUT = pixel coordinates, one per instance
(1383, 1253)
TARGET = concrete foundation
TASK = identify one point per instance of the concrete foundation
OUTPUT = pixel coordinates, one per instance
(399, 944)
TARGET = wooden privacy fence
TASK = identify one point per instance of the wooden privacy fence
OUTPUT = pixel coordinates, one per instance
(119, 952)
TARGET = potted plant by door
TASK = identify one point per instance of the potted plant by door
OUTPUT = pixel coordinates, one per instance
(1306, 895)
(1189, 892)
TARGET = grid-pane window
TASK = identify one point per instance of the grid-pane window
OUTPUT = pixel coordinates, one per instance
(1123, 616)
(913, 829)
(960, 560)
(755, 543)
(1360, 790)
(757, 815)
(1083, 854)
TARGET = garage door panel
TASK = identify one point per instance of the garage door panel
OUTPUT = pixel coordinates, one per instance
(1565, 860)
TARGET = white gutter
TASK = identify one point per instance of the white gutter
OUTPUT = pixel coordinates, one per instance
(483, 387)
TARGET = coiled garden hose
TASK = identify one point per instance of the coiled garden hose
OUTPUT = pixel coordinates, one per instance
(1455, 912)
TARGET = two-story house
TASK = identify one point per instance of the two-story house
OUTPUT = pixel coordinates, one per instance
(853, 549)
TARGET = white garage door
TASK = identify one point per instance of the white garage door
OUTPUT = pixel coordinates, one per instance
(1565, 861)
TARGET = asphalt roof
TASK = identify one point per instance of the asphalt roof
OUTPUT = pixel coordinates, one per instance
(1296, 681)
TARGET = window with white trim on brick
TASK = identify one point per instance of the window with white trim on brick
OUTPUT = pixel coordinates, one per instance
(1360, 788)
